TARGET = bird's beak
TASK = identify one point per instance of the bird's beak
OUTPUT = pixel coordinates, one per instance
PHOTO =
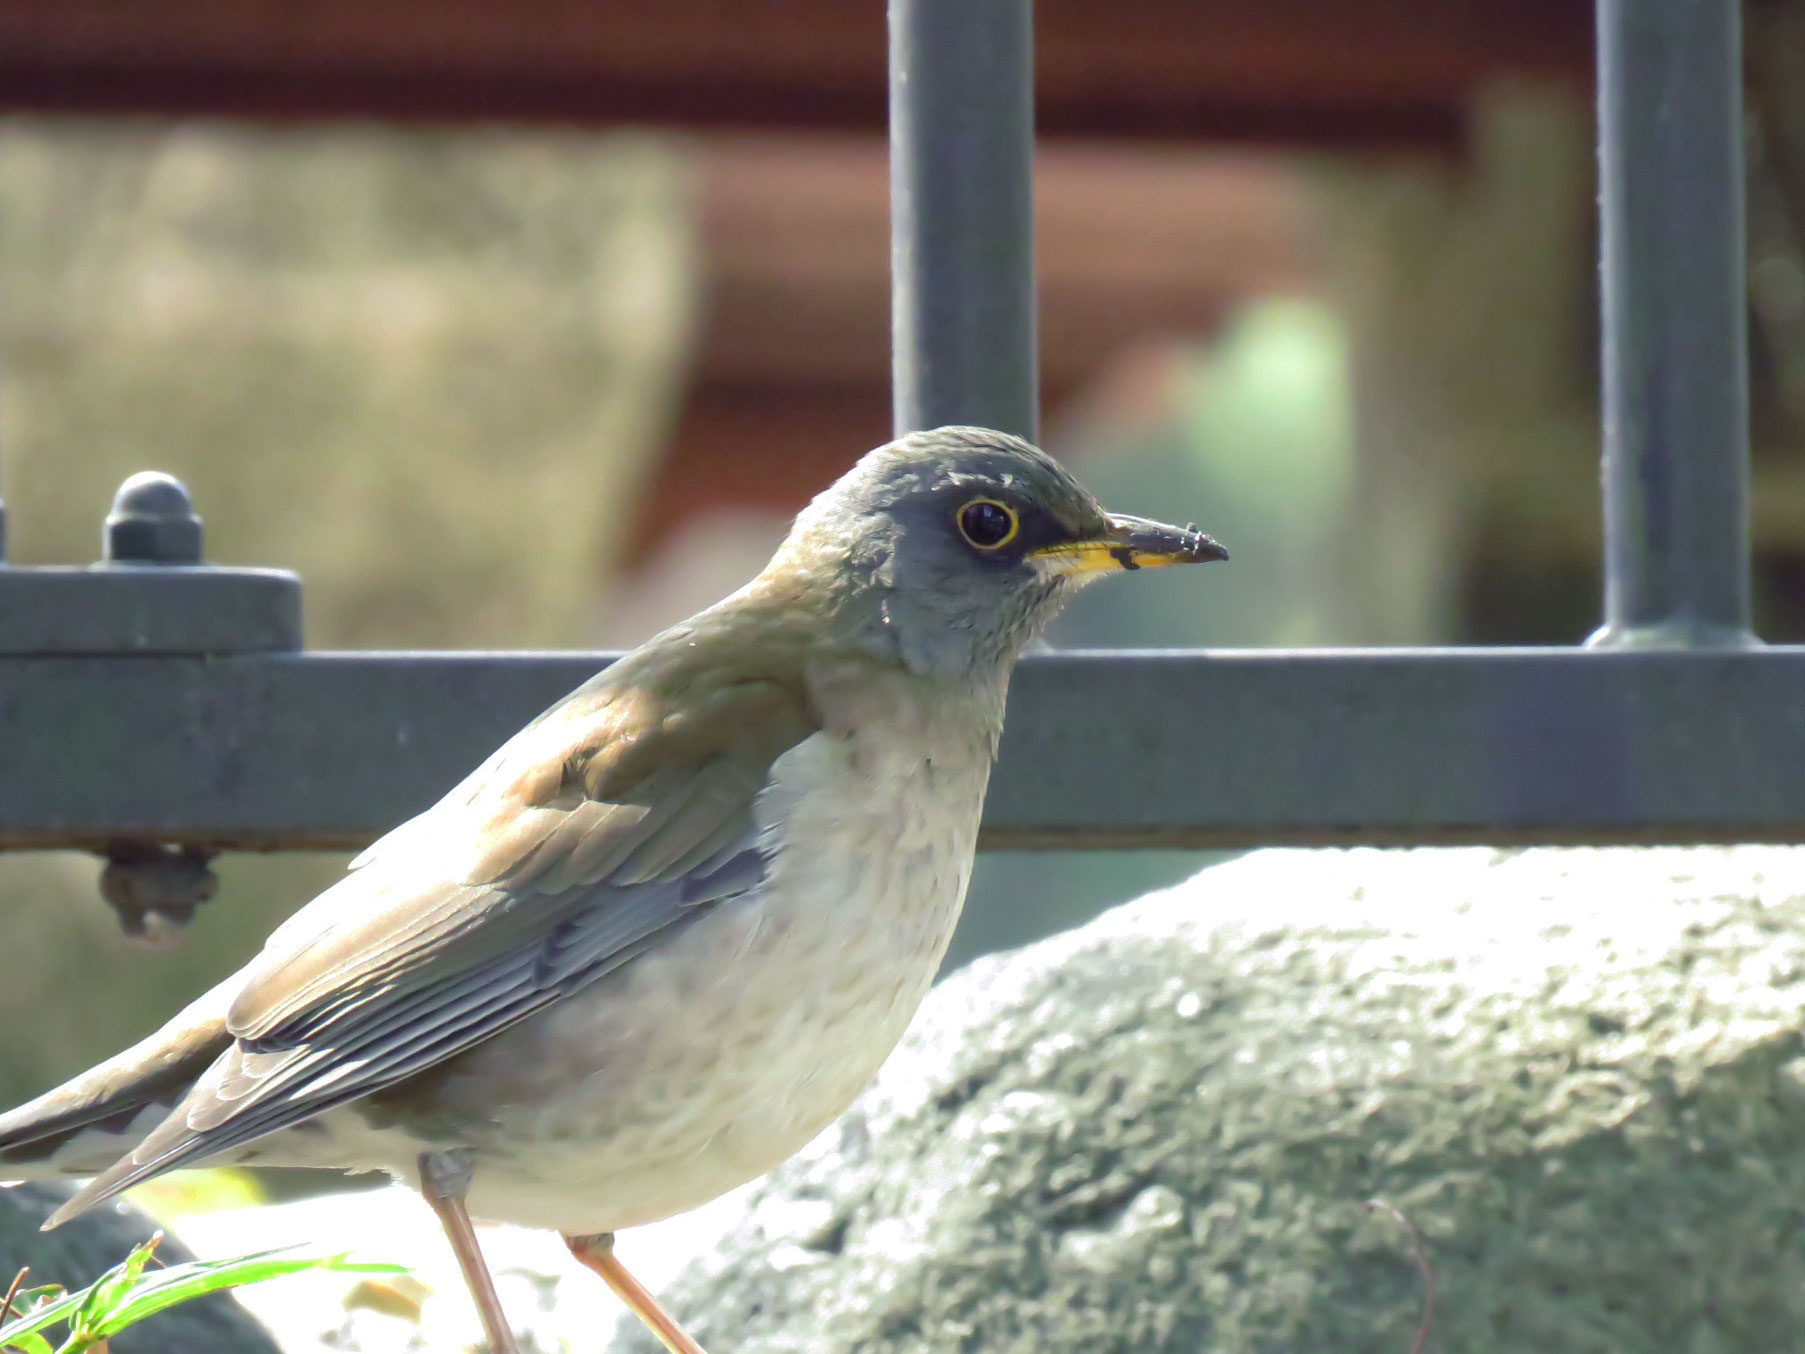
(1129, 543)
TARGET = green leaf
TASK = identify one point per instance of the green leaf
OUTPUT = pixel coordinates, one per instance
(52, 1311)
(129, 1292)
(31, 1343)
(106, 1294)
(167, 1287)
(73, 1308)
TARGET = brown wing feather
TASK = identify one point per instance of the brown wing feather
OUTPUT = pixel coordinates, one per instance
(589, 831)
(615, 785)
(155, 1071)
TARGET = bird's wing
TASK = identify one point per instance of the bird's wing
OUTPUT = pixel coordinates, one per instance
(83, 1125)
(618, 815)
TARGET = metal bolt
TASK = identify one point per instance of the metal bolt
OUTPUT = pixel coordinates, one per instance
(155, 889)
(153, 522)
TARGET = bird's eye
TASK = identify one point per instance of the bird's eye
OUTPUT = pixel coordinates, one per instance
(987, 524)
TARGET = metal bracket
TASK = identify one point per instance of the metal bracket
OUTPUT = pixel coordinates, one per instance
(151, 595)
(154, 888)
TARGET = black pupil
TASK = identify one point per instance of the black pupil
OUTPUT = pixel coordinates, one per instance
(986, 523)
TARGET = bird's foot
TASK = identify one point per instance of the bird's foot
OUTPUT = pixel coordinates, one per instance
(597, 1253)
(444, 1179)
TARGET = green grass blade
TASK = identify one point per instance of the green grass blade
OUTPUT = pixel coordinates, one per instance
(36, 1318)
(166, 1287)
(129, 1292)
(106, 1293)
(31, 1343)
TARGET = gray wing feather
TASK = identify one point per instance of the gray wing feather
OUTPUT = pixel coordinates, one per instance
(257, 1087)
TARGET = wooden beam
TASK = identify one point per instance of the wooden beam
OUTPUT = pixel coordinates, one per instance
(1131, 241)
(1319, 71)
(791, 379)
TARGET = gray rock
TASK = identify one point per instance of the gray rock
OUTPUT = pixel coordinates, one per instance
(79, 1252)
(1578, 1073)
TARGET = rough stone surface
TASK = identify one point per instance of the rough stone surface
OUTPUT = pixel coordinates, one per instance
(81, 1251)
(1578, 1072)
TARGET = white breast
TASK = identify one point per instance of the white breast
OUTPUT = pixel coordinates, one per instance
(714, 1057)
(871, 836)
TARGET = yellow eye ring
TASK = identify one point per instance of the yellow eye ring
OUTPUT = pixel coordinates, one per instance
(987, 524)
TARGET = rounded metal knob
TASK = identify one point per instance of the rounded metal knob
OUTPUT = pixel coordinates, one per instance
(153, 522)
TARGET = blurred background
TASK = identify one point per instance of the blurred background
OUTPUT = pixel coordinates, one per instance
(531, 325)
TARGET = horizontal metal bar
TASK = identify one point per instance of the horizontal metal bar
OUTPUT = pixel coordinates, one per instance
(148, 609)
(274, 751)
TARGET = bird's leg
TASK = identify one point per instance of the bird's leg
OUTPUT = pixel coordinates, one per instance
(597, 1252)
(444, 1180)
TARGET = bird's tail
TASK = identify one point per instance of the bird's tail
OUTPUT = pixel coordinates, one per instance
(86, 1124)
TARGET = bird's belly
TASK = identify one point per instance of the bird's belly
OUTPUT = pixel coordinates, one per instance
(683, 1118)
(715, 1056)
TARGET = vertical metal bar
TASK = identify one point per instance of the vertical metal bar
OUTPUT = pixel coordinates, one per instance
(2, 511)
(1676, 439)
(2, 501)
(962, 214)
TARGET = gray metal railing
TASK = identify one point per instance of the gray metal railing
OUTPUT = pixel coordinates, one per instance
(963, 326)
(1676, 408)
(1673, 725)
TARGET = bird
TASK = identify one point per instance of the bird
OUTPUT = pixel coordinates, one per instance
(668, 931)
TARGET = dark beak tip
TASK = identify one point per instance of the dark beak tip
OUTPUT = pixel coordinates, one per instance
(1132, 536)
(1203, 549)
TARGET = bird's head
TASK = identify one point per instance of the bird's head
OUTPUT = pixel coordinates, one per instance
(955, 546)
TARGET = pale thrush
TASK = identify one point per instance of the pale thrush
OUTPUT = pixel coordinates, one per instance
(669, 930)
